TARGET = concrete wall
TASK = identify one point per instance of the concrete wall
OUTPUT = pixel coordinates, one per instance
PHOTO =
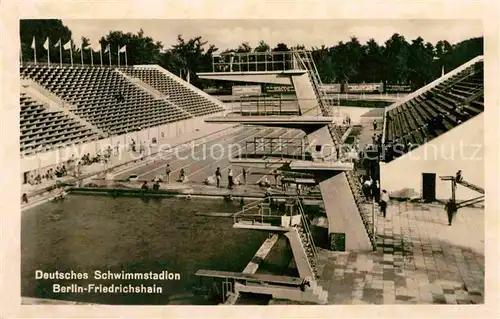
(461, 148)
(305, 92)
(170, 131)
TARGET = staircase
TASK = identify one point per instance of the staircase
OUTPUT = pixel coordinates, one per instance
(307, 239)
(478, 189)
(306, 61)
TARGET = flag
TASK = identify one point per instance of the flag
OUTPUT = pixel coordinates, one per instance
(67, 46)
(97, 50)
(58, 44)
(33, 46)
(46, 45)
(108, 48)
(100, 52)
(123, 49)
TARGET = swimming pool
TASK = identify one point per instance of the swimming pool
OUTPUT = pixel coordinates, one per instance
(87, 233)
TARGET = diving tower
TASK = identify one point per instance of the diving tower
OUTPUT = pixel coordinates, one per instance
(324, 157)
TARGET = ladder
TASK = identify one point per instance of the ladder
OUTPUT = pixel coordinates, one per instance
(307, 239)
(478, 189)
(306, 61)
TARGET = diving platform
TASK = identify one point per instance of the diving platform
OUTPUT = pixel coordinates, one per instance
(280, 287)
(321, 157)
(314, 166)
(308, 124)
(270, 77)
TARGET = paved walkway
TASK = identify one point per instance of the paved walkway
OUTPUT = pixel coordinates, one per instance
(419, 260)
(128, 157)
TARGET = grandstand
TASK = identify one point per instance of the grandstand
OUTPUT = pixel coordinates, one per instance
(439, 109)
(62, 106)
(41, 126)
(443, 122)
(187, 97)
(93, 103)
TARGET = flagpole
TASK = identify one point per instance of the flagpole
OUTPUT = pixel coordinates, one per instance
(126, 64)
(71, 51)
(109, 53)
(118, 56)
(60, 52)
(81, 52)
(48, 51)
(91, 57)
(34, 48)
(100, 54)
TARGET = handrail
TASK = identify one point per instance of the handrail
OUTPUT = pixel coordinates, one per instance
(306, 227)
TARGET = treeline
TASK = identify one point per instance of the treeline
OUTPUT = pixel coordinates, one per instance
(397, 61)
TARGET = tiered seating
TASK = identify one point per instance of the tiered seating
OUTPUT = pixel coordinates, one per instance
(437, 110)
(47, 129)
(183, 96)
(104, 97)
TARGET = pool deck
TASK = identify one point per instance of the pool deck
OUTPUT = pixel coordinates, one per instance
(419, 260)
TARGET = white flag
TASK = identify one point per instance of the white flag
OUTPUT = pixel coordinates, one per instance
(123, 49)
(97, 50)
(33, 43)
(67, 46)
(107, 49)
(46, 44)
(58, 43)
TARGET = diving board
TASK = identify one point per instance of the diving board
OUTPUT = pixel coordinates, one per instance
(261, 278)
(308, 124)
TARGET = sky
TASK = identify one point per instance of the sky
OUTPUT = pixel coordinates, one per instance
(230, 33)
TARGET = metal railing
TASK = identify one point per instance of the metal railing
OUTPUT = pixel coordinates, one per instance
(305, 226)
(254, 61)
(258, 211)
(268, 146)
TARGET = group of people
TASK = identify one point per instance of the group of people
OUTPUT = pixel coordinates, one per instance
(50, 174)
(231, 181)
(156, 185)
(347, 120)
(371, 191)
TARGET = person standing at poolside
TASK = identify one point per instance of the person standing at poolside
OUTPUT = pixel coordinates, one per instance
(167, 173)
(384, 200)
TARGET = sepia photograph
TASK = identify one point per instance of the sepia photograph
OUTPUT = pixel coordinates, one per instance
(257, 168)
(257, 162)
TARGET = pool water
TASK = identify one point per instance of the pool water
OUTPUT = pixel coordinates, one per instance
(86, 233)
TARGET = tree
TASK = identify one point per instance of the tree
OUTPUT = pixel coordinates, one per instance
(396, 56)
(140, 49)
(262, 47)
(41, 29)
(244, 47)
(371, 64)
(190, 55)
